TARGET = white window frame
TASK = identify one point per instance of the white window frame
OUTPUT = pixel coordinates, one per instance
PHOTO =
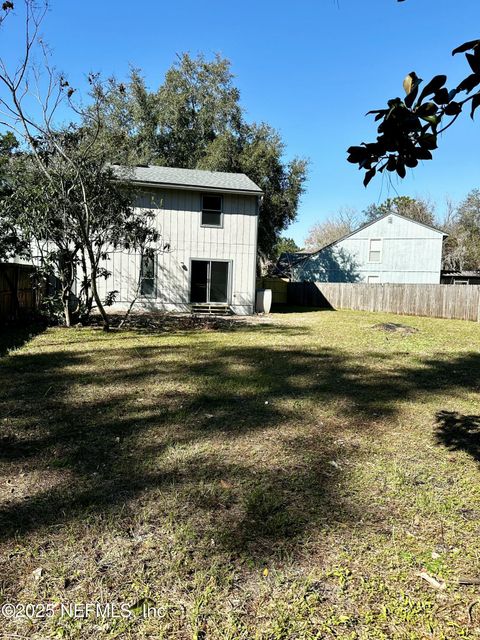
(202, 209)
(373, 275)
(229, 281)
(380, 240)
(154, 278)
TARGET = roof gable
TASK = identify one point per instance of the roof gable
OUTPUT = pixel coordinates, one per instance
(297, 260)
(386, 215)
(369, 224)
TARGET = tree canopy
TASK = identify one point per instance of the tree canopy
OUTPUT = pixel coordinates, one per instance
(462, 248)
(11, 242)
(60, 194)
(194, 120)
(418, 209)
(285, 245)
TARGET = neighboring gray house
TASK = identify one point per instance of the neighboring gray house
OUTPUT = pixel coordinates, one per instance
(206, 254)
(390, 249)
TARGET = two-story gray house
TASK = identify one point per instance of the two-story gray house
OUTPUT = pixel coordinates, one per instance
(390, 249)
(205, 257)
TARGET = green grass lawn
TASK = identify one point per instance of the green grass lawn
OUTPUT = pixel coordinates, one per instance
(286, 480)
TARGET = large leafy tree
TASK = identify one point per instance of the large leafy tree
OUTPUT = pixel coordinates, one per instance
(194, 120)
(418, 209)
(68, 199)
(11, 242)
(409, 127)
(285, 245)
(466, 232)
(48, 213)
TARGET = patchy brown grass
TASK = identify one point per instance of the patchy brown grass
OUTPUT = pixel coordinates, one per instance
(282, 480)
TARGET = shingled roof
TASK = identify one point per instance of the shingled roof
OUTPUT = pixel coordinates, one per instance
(188, 179)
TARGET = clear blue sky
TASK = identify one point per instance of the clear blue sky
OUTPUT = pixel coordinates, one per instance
(310, 68)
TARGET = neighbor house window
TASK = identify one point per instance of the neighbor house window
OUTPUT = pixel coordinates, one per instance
(373, 279)
(375, 252)
(211, 211)
(147, 274)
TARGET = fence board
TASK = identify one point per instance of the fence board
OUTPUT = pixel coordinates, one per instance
(431, 300)
(17, 294)
(278, 287)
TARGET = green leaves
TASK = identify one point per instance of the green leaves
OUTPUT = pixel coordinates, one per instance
(469, 83)
(475, 105)
(474, 60)
(433, 86)
(453, 109)
(368, 176)
(467, 46)
(407, 129)
(411, 84)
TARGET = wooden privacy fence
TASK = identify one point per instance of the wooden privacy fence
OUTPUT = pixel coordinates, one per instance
(18, 296)
(431, 300)
(278, 287)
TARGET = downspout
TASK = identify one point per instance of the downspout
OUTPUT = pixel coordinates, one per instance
(259, 203)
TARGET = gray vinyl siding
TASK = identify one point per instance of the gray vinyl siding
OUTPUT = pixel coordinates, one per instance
(410, 253)
(178, 222)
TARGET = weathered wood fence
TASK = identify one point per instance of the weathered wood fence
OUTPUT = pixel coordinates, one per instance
(278, 286)
(18, 296)
(432, 300)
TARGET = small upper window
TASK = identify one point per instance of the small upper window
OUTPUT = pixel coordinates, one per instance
(144, 200)
(375, 253)
(147, 276)
(212, 211)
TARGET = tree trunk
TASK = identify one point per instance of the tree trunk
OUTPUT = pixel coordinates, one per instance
(86, 287)
(66, 308)
(98, 302)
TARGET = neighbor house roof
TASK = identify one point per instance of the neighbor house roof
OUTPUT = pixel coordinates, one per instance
(369, 224)
(472, 274)
(289, 259)
(192, 179)
(296, 259)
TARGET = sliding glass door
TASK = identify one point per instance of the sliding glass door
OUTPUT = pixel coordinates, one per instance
(209, 281)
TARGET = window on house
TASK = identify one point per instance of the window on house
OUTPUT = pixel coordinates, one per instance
(373, 279)
(147, 275)
(211, 211)
(375, 252)
(150, 200)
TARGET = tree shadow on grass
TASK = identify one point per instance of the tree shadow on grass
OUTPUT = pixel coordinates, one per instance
(459, 432)
(15, 337)
(231, 429)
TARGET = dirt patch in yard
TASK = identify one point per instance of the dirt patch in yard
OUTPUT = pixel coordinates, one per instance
(394, 327)
(171, 322)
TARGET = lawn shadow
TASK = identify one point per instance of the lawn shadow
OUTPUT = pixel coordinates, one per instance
(459, 432)
(223, 426)
(15, 337)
